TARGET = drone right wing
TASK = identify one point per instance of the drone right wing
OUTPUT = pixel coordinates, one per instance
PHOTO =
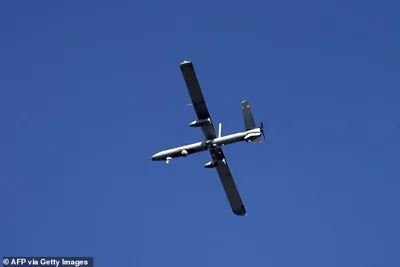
(228, 183)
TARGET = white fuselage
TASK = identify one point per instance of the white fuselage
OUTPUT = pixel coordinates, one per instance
(186, 150)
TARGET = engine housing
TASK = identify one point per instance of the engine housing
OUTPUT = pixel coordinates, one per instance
(200, 123)
(211, 164)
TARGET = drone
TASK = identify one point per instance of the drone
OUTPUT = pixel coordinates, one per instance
(213, 142)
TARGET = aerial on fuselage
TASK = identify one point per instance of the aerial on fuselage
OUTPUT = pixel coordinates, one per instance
(213, 142)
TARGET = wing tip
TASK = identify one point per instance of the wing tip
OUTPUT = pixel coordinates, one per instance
(240, 212)
(186, 62)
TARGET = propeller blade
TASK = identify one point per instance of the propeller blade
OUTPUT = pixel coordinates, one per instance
(262, 129)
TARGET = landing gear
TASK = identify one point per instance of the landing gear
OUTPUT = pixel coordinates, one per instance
(168, 160)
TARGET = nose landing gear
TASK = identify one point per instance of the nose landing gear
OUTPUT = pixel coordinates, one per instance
(168, 160)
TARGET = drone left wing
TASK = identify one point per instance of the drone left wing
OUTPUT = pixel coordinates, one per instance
(198, 101)
(228, 183)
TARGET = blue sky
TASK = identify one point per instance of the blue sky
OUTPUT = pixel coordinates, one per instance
(90, 90)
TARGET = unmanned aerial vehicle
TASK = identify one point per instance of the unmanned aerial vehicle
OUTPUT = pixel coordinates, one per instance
(213, 142)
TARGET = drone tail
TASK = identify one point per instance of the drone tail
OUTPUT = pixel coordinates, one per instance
(249, 123)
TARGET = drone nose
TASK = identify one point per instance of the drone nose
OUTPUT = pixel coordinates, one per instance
(155, 157)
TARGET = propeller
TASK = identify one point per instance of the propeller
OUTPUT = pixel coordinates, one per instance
(262, 129)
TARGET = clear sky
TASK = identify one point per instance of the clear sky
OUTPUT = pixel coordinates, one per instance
(90, 90)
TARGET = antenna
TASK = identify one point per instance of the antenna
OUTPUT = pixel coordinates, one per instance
(220, 130)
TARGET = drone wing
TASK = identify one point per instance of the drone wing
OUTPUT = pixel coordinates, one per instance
(209, 132)
(197, 98)
(228, 183)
